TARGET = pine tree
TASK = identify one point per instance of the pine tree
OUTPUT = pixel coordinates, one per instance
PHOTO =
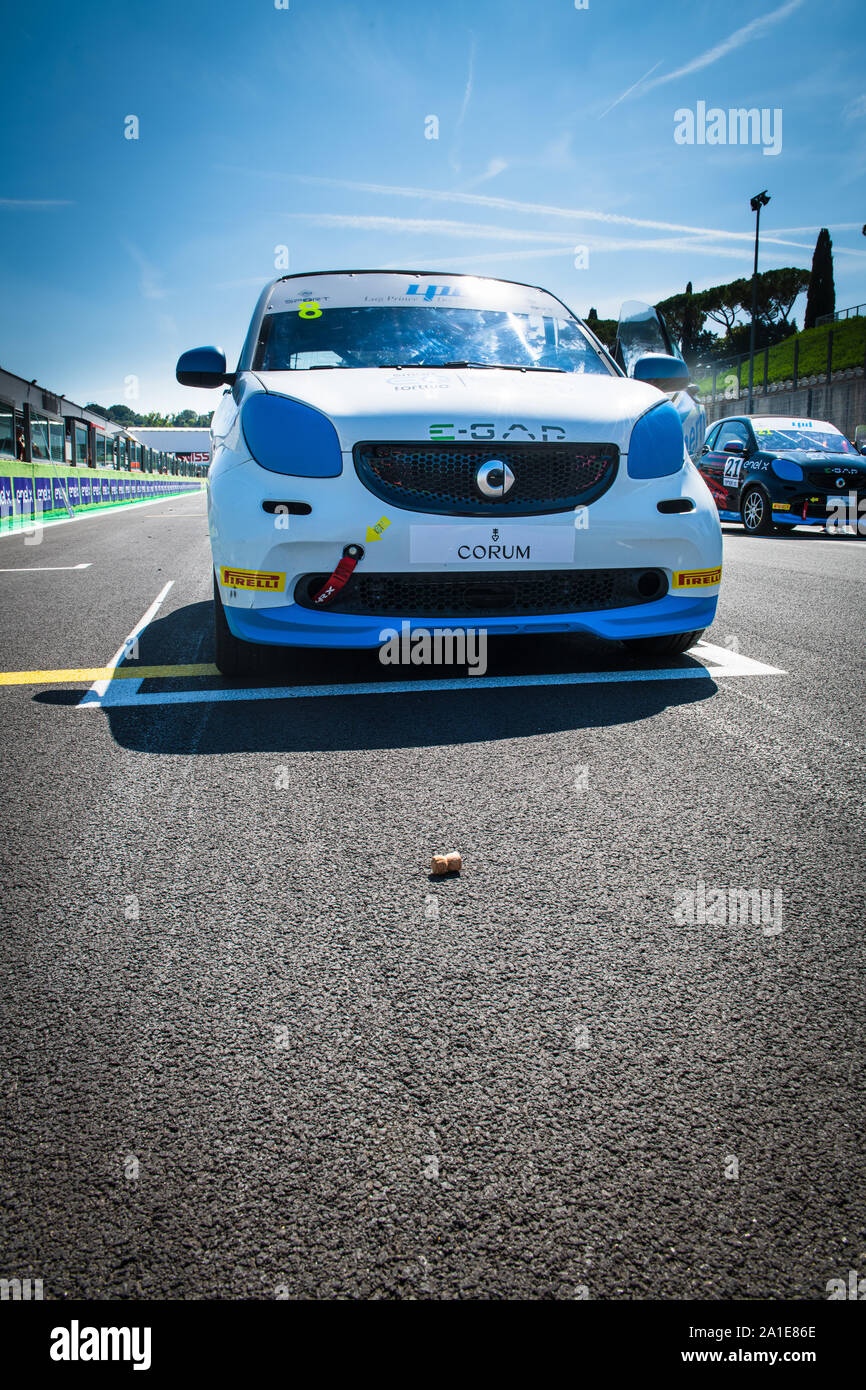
(821, 295)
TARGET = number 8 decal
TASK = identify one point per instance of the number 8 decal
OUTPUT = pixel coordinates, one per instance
(310, 309)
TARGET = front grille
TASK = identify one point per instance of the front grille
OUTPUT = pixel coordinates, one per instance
(825, 477)
(441, 478)
(478, 594)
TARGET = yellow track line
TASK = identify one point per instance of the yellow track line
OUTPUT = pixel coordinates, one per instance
(89, 674)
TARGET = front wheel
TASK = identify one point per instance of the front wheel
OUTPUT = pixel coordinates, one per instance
(756, 513)
(234, 657)
(671, 645)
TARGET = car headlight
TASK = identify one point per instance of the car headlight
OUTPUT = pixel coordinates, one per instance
(286, 436)
(656, 447)
(787, 469)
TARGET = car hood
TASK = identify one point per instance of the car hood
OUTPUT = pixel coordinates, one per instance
(818, 458)
(384, 403)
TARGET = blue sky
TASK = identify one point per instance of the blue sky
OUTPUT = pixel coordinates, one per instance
(305, 128)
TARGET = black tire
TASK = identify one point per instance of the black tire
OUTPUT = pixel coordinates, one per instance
(671, 645)
(756, 512)
(233, 656)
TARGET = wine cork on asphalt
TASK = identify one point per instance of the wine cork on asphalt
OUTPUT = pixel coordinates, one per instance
(446, 863)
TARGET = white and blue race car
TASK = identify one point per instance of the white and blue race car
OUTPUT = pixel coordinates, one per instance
(409, 447)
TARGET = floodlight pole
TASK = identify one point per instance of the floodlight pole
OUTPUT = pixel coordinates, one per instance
(760, 200)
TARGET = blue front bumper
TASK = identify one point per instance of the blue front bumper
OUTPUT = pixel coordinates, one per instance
(293, 626)
(796, 520)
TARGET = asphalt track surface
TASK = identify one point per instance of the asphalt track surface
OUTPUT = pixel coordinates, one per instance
(250, 1049)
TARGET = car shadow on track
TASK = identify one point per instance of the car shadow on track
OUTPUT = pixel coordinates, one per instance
(791, 533)
(480, 713)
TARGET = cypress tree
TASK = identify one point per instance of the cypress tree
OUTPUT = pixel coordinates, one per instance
(821, 295)
(690, 324)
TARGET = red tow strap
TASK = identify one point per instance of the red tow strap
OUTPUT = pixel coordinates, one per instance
(341, 576)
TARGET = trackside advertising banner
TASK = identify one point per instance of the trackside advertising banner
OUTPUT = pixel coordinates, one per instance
(62, 495)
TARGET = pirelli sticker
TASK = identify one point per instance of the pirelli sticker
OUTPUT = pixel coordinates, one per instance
(696, 579)
(252, 579)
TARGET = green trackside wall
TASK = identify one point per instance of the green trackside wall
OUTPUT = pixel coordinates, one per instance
(162, 485)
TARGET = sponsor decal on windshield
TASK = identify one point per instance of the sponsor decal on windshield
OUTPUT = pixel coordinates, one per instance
(431, 291)
(348, 291)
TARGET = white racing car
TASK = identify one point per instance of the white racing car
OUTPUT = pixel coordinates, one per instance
(402, 447)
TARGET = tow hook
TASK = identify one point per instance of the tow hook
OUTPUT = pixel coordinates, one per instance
(341, 576)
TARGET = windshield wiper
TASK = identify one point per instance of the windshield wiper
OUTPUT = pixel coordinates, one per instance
(499, 366)
(493, 366)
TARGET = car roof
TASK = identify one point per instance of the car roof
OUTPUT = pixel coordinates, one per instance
(729, 420)
(399, 270)
(789, 422)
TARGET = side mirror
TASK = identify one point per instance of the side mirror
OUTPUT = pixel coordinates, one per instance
(203, 366)
(734, 446)
(657, 368)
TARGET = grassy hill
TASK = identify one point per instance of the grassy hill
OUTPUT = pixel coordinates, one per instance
(849, 350)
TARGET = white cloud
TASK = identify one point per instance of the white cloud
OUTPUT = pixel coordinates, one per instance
(754, 29)
(541, 209)
(494, 166)
(563, 244)
(628, 91)
(149, 279)
(454, 157)
(557, 154)
(831, 227)
(441, 226)
(710, 240)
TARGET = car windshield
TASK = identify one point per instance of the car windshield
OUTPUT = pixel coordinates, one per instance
(784, 439)
(380, 320)
(429, 337)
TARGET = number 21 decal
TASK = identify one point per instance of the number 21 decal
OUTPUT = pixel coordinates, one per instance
(733, 469)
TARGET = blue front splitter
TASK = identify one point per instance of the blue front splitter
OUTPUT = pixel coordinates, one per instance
(293, 626)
